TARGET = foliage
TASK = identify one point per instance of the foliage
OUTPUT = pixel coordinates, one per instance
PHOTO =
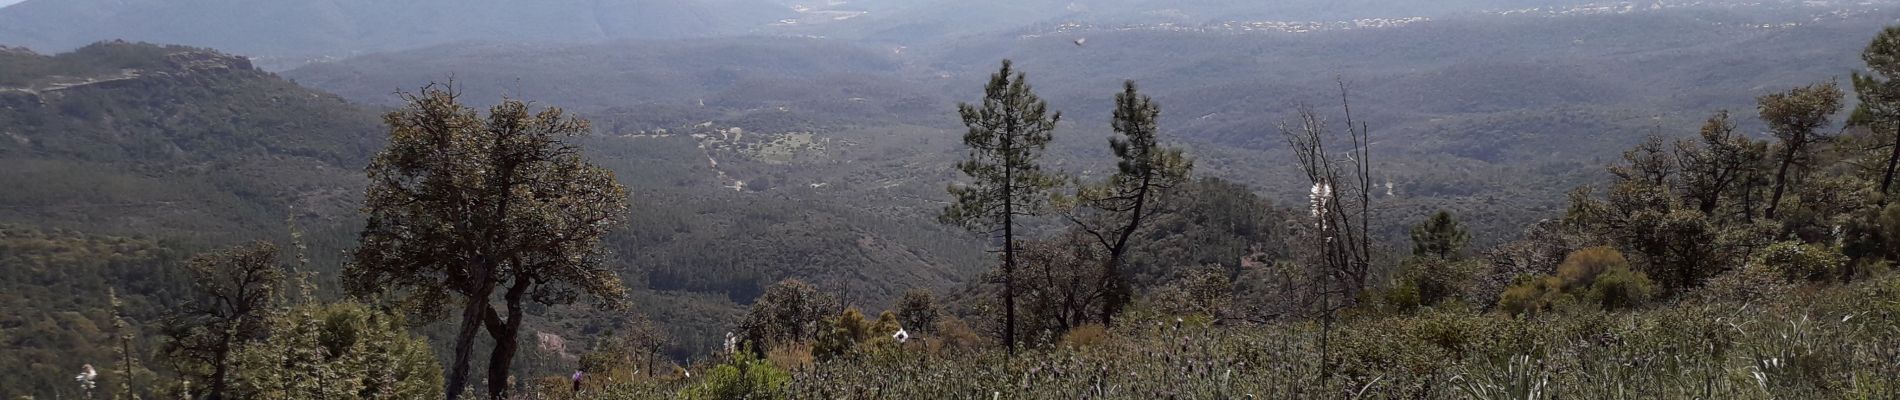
(843, 334)
(1204, 292)
(342, 350)
(789, 311)
(1686, 213)
(1007, 135)
(632, 350)
(1598, 276)
(1795, 118)
(56, 284)
(1713, 352)
(234, 291)
(1798, 261)
(1752, 284)
(743, 377)
(1144, 171)
(462, 207)
(1431, 280)
(917, 312)
(1532, 295)
(1441, 236)
(1620, 289)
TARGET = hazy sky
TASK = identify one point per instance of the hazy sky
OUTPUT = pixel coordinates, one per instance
(4, 3)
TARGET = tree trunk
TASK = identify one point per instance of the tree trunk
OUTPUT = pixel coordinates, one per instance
(1009, 271)
(1893, 160)
(472, 316)
(500, 360)
(1781, 182)
(222, 369)
(506, 334)
(1120, 291)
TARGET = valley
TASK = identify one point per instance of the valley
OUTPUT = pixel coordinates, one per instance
(761, 141)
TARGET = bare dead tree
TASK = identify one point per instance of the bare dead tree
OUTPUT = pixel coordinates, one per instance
(1340, 262)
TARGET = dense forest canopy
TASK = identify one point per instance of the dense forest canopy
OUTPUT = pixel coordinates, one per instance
(845, 199)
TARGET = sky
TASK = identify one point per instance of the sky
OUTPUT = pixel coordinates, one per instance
(4, 3)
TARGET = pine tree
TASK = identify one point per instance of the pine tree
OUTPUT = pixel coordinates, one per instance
(1145, 169)
(1441, 237)
(1796, 117)
(1719, 166)
(1879, 95)
(1007, 134)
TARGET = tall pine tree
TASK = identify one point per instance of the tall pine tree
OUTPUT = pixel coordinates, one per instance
(1143, 171)
(1007, 134)
(1879, 95)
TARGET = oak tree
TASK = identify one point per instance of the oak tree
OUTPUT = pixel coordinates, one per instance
(464, 207)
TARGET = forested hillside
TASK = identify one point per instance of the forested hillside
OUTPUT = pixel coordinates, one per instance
(1484, 114)
(718, 199)
(187, 143)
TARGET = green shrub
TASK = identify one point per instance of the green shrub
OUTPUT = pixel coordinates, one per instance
(841, 335)
(1431, 281)
(744, 377)
(1531, 295)
(1798, 261)
(1621, 288)
(1582, 267)
(1746, 285)
(1598, 275)
(1402, 297)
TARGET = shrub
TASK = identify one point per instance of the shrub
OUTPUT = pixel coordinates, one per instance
(791, 357)
(1085, 336)
(917, 312)
(1746, 285)
(744, 377)
(1598, 275)
(1798, 261)
(849, 330)
(953, 335)
(1435, 280)
(1402, 297)
(1582, 267)
(1199, 291)
(1531, 295)
(1621, 288)
(788, 311)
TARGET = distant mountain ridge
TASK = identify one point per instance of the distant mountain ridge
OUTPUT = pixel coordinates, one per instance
(139, 138)
(290, 32)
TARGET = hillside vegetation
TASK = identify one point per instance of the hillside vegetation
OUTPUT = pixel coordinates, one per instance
(1646, 202)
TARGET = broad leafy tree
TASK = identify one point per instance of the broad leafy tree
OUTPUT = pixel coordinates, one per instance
(464, 208)
(233, 290)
